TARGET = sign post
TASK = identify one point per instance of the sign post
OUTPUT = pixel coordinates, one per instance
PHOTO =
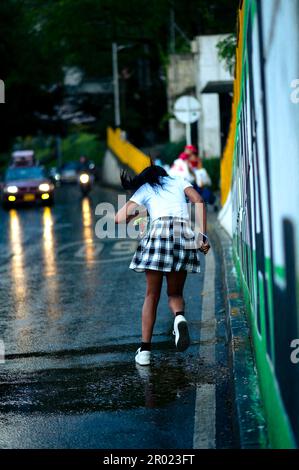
(187, 110)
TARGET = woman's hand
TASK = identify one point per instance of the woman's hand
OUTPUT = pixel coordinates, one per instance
(126, 213)
(204, 247)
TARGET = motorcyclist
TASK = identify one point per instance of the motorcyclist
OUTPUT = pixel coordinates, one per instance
(86, 177)
(83, 163)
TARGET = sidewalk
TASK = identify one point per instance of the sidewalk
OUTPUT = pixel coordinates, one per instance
(248, 417)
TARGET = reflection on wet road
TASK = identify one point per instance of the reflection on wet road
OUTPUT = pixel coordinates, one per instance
(70, 321)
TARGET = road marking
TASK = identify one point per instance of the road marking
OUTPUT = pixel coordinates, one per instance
(97, 250)
(115, 251)
(204, 436)
(208, 319)
(75, 253)
(205, 417)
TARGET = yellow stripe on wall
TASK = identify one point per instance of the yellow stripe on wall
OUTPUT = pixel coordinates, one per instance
(228, 153)
(127, 153)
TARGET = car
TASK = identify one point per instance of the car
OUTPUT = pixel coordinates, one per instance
(23, 158)
(69, 172)
(26, 185)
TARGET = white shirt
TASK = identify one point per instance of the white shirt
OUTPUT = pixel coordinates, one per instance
(166, 201)
(202, 177)
(180, 168)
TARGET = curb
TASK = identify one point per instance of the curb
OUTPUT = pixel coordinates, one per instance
(248, 414)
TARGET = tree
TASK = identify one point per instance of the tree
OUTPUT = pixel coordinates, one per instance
(40, 37)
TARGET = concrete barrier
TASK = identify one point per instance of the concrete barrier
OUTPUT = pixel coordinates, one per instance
(111, 169)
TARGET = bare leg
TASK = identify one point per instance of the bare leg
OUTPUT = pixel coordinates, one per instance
(175, 287)
(154, 280)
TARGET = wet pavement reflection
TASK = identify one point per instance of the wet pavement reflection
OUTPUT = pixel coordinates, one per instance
(70, 322)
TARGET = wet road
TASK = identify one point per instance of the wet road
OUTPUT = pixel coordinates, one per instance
(70, 323)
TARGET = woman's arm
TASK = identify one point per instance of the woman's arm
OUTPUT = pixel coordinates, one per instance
(200, 208)
(128, 212)
(200, 214)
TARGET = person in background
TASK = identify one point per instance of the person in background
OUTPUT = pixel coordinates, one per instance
(203, 181)
(190, 150)
(180, 167)
(190, 167)
(83, 163)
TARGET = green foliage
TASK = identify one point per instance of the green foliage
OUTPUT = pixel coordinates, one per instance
(4, 159)
(82, 30)
(227, 51)
(38, 38)
(171, 151)
(72, 147)
(212, 165)
(75, 145)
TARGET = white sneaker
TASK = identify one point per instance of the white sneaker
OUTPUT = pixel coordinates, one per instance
(143, 358)
(180, 330)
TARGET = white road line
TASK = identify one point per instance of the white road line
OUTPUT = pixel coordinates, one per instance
(205, 417)
(204, 436)
(208, 319)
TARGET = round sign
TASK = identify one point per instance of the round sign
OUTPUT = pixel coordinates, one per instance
(187, 109)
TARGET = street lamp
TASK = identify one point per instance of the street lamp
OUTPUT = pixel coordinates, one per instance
(115, 49)
(115, 85)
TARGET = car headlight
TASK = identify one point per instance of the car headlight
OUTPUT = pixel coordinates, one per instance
(11, 189)
(84, 178)
(45, 187)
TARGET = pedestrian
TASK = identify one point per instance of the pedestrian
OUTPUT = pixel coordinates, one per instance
(190, 150)
(180, 167)
(193, 159)
(202, 181)
(170, 247)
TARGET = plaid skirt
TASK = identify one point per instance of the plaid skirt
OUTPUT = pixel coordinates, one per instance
(168, 245)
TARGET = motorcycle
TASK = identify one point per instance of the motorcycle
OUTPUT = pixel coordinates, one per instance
(85, 182)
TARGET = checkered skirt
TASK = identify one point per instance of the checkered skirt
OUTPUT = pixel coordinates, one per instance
(168, 245)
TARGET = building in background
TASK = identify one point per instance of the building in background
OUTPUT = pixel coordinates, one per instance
(202, 74)
(214, 86)
(180, 81)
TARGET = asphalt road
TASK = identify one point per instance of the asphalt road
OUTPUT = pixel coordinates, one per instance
(70, 324)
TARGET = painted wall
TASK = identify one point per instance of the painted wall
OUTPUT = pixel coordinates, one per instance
(260, 197)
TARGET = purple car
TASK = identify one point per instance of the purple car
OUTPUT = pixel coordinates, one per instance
(26, 185)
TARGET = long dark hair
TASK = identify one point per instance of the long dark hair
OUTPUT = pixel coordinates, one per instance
(151, 175)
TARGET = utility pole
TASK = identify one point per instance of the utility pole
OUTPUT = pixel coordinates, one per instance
(58, 151)
(172, 31)
(115, 84)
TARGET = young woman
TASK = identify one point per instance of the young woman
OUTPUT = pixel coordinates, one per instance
(169, 248)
